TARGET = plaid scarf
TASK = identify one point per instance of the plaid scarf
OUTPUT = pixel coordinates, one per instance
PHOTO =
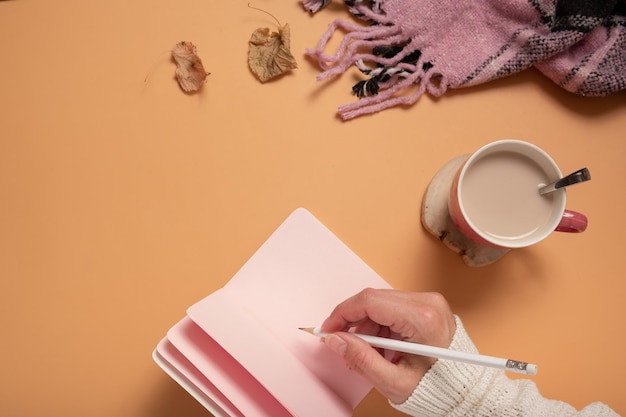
(410, 47)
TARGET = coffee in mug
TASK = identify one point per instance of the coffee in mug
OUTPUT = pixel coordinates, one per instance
(494, 199)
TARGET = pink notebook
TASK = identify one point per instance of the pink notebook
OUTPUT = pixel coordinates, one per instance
(239, 352)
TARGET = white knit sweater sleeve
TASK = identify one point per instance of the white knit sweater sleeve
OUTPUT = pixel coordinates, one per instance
(456, 389)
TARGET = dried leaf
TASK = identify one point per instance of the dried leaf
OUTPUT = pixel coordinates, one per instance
(190, 72)
(269, 54)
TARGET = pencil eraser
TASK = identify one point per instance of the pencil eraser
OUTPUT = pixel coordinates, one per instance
(531, 369)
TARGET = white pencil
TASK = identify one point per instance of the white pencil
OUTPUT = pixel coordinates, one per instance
(440, 353)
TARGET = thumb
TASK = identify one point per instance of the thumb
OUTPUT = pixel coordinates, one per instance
(394, 382)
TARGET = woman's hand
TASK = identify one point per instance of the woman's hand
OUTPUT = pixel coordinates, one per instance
(417, 317)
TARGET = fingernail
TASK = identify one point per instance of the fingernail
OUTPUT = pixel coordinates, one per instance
(336, 344)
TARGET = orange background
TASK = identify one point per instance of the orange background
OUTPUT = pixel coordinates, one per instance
(124, 201)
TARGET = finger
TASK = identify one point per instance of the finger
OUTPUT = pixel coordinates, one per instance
(383, 306)
(368, 327)
(418, 317)
(394, 382)
(369, 304)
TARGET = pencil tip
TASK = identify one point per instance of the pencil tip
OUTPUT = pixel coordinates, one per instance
(307, 329)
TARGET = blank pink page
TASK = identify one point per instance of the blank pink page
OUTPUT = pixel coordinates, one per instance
(294, 280)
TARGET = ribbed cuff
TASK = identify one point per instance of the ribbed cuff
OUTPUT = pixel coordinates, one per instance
(447, 384)
(452, 388)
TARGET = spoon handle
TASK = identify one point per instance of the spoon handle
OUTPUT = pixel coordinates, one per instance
(573, 178)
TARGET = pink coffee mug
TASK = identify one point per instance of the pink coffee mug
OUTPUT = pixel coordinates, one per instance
(494, 199)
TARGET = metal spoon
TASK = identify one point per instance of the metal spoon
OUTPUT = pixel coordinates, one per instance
(574, 178)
